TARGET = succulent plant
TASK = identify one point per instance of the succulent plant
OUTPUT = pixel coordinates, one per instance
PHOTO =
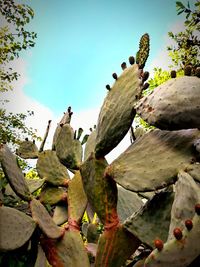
(142, 209)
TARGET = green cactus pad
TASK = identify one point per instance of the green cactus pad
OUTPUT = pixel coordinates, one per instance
(90, 145)
(67, 147)
(128, 203)
(173, 105)
(16, 228)
(69, 251)
(35, 184)
(143, 52)
(92, 233)
(13, 173)
(52, 195)
(101, 192)
(176, 253)
(187, 194)
(60, 214)
(77, 199)
(153, 161)
(44, 220)
(115, 247)
(153, 220)
(27, 150)
(117, 113)
(50, 168)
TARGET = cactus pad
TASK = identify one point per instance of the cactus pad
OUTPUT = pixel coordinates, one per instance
(187, 194)
(117, 113)
(16, 228)
(77, 199)
(67, 147)
(90, 145)
(173, 105)
(128, 203)
(35, 184)
(50, 168)
(27, 150)
(115, 247)
(101, 192)
(52, 195)
(143, 52)
(60, 214)
(153, 161)
(44, 220)
(13, 173)
(69, 251)
(153, 220)
(176, 253)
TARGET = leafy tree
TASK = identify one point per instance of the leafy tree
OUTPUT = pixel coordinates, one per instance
(186, 50)
(14, 38)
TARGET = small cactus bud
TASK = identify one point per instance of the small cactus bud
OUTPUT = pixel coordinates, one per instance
(197, 209)
(131, 60)
(173, 74)
(114, 76)
(188, 70)
(26, 139)
(197, 72)
(108, 87)
(145, 86)
(178, 233)
(123, 66)
(189, 224)
(145, 76)
(33, 141)
(158, 244)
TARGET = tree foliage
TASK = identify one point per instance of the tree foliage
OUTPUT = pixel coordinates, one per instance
(14, 39)
(186, 50)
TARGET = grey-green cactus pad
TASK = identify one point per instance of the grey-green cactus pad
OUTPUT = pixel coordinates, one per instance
(173, 105)
(60, 214)
(90, 145)
(128, 203)
(44, 220)
(35, 184)
(52, 195)
(13, 173)
(16, 228)
(66, 148)
(27, 150)
(77, 199)
(153, 220)
(117, 112)
(50, 168)
(187, 195)
(153, 161)
(176, 253)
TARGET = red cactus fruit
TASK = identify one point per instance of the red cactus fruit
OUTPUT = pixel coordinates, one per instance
(158, 244)
(197, 209)
(178, 233)
(189, 224)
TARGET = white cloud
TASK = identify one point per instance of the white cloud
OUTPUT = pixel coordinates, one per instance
(162, 58)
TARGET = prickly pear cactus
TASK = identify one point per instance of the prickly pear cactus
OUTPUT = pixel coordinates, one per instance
(113, 215)
(16, 228)
(117, 112)
(167, 106)
(153, 161)
(27, 150)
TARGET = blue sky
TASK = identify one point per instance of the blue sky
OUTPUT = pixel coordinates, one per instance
(81, 43)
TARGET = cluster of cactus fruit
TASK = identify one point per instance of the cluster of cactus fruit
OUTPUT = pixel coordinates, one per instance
(161, 167)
